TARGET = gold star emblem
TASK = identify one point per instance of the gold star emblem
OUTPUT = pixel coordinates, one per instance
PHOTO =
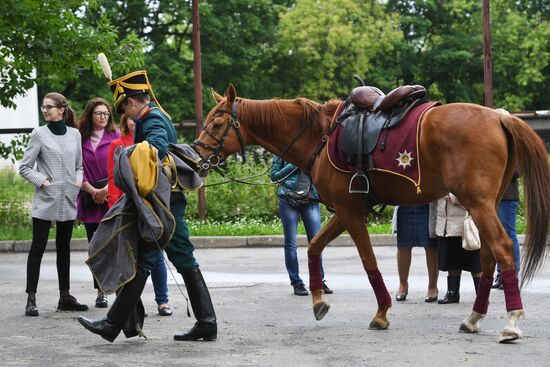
(404, 159)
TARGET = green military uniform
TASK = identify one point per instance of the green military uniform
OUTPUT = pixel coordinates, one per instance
(154, 126)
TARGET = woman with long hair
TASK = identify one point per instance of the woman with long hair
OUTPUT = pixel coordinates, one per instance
(97, 129)
(56, 150)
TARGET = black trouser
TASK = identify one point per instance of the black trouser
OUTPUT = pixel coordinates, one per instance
(40, 232)
(90, 230)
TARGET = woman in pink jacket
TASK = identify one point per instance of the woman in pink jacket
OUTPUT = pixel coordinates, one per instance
(97, 129)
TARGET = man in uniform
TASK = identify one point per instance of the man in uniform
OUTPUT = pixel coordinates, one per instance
(132, 95)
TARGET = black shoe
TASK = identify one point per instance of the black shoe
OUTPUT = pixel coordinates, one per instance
(401, 297)
(430, 299)
(300, 290)
(453, 290)
(31, 309)
(165, 311)
(326, 289)
(69, 303)
(206, 327)
(103, 327)
(206, 332)
(450, 297)
(101, 301)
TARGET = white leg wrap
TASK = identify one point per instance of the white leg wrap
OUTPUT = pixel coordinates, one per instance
(471, 323)
(512, 332)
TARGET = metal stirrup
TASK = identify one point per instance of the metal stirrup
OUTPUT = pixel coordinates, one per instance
(358, 175)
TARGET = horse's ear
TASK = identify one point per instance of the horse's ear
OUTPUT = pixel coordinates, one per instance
(218, 97)
(231, 93)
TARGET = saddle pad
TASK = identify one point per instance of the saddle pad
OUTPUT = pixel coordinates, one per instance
(400, 156)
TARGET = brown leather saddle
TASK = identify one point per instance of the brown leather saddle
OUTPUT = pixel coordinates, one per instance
(366, 113)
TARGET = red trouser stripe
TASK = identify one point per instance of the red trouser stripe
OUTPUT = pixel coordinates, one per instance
(482, 299)
(315, 279)
(382, 296)
(511, 290)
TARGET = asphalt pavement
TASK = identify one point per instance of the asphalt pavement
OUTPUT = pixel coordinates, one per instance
(261, 323)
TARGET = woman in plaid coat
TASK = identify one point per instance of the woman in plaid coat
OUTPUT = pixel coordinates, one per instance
(56, 151)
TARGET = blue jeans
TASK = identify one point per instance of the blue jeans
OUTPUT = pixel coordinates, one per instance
(311, 217)
(507, 211)
(159, 276)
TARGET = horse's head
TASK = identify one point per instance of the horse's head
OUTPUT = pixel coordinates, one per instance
(221, 134)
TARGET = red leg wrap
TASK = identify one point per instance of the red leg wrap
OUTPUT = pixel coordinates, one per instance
(511, 290)
(382, 296)
(482, 299)
(314, 264)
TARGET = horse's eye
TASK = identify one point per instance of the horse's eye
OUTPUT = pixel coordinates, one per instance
(217, 125)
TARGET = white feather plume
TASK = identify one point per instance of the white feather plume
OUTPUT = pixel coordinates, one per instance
(105, 65)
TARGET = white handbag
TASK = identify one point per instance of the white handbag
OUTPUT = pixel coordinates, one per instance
(470, 238)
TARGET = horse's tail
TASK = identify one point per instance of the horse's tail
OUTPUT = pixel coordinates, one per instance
(533, 164)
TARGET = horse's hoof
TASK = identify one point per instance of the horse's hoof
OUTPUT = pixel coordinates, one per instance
(508, 335)
(377, 324)
(320, 310)
(471, 323)
(466, 327)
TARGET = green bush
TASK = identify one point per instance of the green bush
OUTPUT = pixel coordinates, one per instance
(233, 209)
(15, 204)
(233, 201)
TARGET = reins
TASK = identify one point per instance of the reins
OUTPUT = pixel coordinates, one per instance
(241, 180)
(214, 160)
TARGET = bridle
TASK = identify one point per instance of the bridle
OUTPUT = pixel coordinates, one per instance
(217, 157)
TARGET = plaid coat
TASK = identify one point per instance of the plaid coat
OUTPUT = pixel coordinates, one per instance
(58, 159)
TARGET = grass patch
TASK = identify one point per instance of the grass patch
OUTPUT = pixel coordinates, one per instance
(257, 227)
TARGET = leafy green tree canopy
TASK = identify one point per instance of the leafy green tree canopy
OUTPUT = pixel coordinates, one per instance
(324, 43)
(53, 38)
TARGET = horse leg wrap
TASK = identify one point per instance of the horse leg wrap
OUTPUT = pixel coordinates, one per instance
(482, 299)
(382, 296)
(314, 265)
(511, 290)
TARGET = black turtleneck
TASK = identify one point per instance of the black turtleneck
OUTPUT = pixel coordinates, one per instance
(57, 127)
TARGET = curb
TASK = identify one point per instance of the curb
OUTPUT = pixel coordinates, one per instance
(81, 244)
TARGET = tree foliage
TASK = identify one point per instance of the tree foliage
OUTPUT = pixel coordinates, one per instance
(445, 40)
(324, 43)
(54, 38)
(281, 48)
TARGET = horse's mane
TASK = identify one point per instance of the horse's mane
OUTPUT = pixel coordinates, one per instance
(269, 114)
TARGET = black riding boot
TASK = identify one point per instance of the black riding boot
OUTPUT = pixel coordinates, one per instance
(109, 327)
(476, 283)
(31, 309)
(453, 288)
(205, 328)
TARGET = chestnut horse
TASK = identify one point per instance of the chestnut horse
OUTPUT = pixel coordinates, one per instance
(466, 149)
